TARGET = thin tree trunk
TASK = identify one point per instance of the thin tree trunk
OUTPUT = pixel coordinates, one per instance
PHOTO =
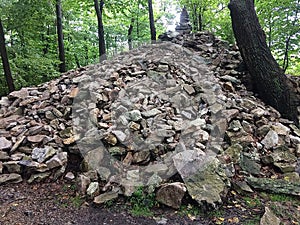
(5, 62)
(151, 19)
(61, 48)
(130, 29)
(102, 48)
(269, 79)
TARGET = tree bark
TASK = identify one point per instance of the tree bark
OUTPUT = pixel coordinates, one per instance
(61, 48)
(130, 29)
(5, 62)
(269, 80)
(102, 48)
(151, 20)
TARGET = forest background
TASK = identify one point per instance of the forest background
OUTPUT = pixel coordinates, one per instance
(31, 32)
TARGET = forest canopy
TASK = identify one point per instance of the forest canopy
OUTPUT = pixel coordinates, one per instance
(30, 28)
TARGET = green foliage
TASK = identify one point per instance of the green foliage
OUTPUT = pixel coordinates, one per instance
(280, 20)
(189, 210)
(142, 202)
(31, 37)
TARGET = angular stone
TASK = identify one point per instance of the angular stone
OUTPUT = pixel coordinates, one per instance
(23, 93)
(111, 139)
(117, 151)
(74, 92)
(258, 112)
(92, 160)
(234, 152)
(12, 166)
(4, 143)
(70, 176)
(241, 138)
(38, 177)
(141, 156)
(164, 133)
(42, 154)
(295, 129)
(295, 139)
(93, 189)
(230, 114)
(134, 115)
(4, 156)
(157, 168)
(120, 135)
(189, 89)
(231, 79)
(17, 144)
(277, 186)
(58, 160)
(270, 140)
(269, 218)
(151, 113)
(105, 197)
(249, 165)
(34, 166)
(171, 194)
(280, 129)
(10, 178)
(82, 183)
(203, 176)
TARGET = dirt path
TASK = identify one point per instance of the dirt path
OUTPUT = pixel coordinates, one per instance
(57, 203)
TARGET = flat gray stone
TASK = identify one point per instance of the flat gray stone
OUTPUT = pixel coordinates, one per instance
(270, 140)
(4, 143)
(10, 178)
(105, 197)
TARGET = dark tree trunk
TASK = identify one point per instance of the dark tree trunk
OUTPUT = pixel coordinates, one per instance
(102, 48)
(130, 34)
(5, 62)
(151, 19)
(269, 79)
(61, 48)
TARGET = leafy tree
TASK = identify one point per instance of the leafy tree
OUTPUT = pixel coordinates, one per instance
(151, 21)
(269, 79)
(99, 11)
(4, 57)
(280, 20)
(62, 65)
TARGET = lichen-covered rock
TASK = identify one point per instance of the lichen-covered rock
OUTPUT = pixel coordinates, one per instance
(203, 176)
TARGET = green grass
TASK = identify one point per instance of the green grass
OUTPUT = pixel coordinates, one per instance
(252, 202)
(76, 201)
(254, 221)
(189, 210)
(282, 198)
(142, 202)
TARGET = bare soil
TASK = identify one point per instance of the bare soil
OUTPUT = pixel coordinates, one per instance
(53, 203)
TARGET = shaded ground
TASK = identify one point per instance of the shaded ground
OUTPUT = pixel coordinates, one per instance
(57, 203)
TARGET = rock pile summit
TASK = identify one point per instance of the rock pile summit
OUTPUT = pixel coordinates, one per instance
(173, 117)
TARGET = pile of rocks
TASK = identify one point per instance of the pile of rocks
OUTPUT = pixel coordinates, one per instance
(147, 115)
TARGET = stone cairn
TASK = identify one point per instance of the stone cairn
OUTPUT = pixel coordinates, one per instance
(147, 115)
(184, 26)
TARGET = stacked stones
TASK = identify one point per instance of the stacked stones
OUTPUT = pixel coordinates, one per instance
(146, 115)
(184, 26)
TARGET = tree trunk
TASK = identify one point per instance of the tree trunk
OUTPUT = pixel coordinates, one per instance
(5, 62)
(151, 20)
(61, 48)
(102, 48)
(130, 29)
(269, 79)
